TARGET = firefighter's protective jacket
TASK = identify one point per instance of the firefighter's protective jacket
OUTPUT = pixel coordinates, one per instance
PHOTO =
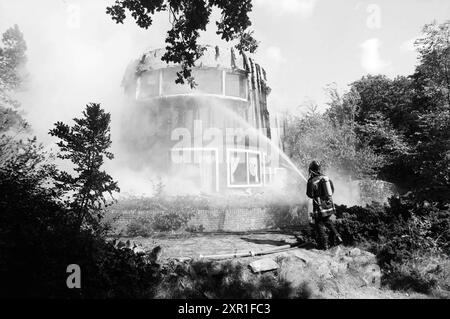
(314, 191)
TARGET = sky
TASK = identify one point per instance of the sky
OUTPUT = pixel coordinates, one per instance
(77, 54)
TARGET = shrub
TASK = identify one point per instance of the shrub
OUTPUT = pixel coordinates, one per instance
(39, 242)
(358, 224)
(141, 226)
(40, 237)
(171, 220)
(161, 213)
(287, 216)
(401, 235)
(227, 279)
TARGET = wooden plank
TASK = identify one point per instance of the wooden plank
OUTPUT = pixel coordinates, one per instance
(264, 264)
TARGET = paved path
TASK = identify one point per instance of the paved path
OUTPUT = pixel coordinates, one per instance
(194, 245)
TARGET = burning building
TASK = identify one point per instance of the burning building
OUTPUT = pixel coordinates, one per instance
(218, 135)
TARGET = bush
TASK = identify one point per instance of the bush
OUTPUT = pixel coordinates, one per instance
(40, 237)
(113, 272)
(227, 279)
(161, 214)
(411, 239)
(401, 235)
(141, 226)
(36, 254)
(171, 220)
(288, 217)
(357, 224)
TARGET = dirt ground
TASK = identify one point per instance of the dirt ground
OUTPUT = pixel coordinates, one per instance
(197, 245)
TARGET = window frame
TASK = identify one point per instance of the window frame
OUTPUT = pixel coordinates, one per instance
(239, 74)
(139, 86)
(222, 94)
(246, 151)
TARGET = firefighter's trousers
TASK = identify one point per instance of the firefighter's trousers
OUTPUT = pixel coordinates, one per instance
(320, 224)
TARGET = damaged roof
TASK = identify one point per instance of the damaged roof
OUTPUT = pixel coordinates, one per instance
(213, 57)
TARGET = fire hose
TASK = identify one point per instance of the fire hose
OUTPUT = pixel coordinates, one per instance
(252, 253)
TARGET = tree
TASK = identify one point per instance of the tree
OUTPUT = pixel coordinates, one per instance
(391, 98)
(12, 61)
(86, 144)
(383, 119)
(405, 119)
(432, 157)
(189, 17)
(316, 137)
(431, 104)
(38, 229)
(434, 54)
(342, 110)
(12, 57)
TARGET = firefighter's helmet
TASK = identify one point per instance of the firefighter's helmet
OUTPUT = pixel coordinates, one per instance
(314, 168)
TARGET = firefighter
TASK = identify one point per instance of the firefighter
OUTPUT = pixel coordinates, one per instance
(320, 188)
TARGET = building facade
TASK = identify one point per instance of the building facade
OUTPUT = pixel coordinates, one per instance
(218, 135)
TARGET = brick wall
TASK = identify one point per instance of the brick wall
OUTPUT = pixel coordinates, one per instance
(232, 219)
(256, 218)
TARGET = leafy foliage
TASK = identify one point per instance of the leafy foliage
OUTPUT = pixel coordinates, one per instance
(408, 117)
(145, 216)
(315, 137)
(431, 162)
(189, 17)
(393, 129)
(434, 70)
(399, 234)
(410, 237)
(140, 226)
(39, 238)
(398, 129)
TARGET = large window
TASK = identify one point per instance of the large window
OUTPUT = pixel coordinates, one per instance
(236, 85)
(148, 85)
(268, 169)
(197, 165)
(208, 81)
(169, 86)
(243, 168)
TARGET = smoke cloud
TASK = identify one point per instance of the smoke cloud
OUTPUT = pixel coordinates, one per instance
(77, 55)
